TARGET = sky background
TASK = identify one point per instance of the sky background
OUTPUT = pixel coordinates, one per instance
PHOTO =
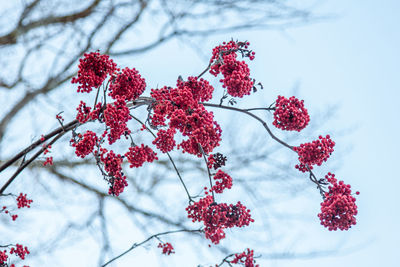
(349, 62)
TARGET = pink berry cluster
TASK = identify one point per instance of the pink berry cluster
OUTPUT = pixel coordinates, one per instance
(18, 250)
(314, 153)
(290, 114)
(93, 70)
(201, 89)
(223, 180)
(245, 258)
(339, 208)
(23, 201)
(138, 155)
(218, 216)
(86, 114)
(128, 85)
(167, 248)
(179, 110)
(86, 144)
(236, 73)
(116, 116)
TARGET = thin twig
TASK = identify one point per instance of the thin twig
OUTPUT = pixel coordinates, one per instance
(208, 170)
(255, 117)
(135, 245)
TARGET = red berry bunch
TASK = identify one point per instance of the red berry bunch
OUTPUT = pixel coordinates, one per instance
(116, 116)
(339, 209)
(236, 73)
(167, 248)
(83, 114)
(19, 251)
(314, 153)
(140, 154)
(223, 180)
(246, 258)
(23, 202)
(200, 88)
(93, 70)
(187, 116)
(113, 171)
(86, 145)
(3, 257)
(48, 161)
(128, 84)
(217, 217)
(165, 140)
(290, 114)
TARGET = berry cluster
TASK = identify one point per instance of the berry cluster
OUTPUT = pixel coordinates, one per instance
(23, 202)
(140, 154)
(86, 144)
(165, 140)
(236, 73)
(128, 84)
(200, 88)
(116, 116)
(167, 248)
(48, 161)
(339, 209)
(246, 258)
(218, 216)
(185, 115)
(290, 114)
(113, 171)
(223, 180)
(314, 153)
(19, 251)
(93, 70)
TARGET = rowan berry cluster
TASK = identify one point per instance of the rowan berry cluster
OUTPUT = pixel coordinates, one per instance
(19, 251)
(246, 258)
(113, 171)
(290, 114)
(128, 85)
(93, 70)
(167, 248)
(23, 202)
(314, 153)
(140, 154)
(223, 180)
(339, 209)
(186, 115)
(236, 73)
(218, 216)
(86, 144)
